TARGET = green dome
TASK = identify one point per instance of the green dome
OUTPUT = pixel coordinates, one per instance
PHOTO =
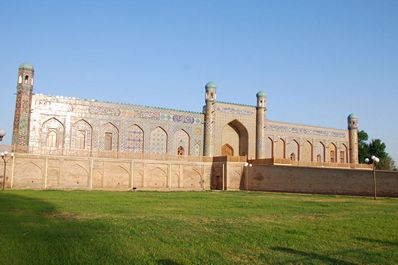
(261, 94)
(352, 116)
(26, 66)
(210, 85)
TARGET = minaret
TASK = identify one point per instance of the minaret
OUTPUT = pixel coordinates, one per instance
(20, 136)
(209, 119)
(353, 137)
(260, 125)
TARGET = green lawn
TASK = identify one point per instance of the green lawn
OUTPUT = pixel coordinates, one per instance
(55, 227)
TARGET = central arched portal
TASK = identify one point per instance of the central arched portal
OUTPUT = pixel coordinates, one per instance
(235, 139)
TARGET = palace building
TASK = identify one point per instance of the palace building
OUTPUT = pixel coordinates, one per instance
(60, 125)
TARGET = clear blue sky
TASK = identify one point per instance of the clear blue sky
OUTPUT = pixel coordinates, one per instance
(317, 60)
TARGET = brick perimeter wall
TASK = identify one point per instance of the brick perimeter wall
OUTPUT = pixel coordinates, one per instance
(41, 172)
(322, 180)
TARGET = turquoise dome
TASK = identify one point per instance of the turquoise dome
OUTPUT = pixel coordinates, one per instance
(352, 116)
(261, 94)
(210, 85)
(26, 66)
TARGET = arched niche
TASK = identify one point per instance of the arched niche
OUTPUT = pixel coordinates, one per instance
(280, 148)
(181, 143)
(158, 142)
(236, 136)
(269, 148)
(110, 138)
(81, 136)
(306, 154)
(135, 139)
(343, 153)
(320, 152)
(332, 153)
(294, 151)
(52, 134)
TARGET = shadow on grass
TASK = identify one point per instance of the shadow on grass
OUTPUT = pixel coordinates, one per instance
(33, 232)
(167, 262)
(311, 257)
(381, 242)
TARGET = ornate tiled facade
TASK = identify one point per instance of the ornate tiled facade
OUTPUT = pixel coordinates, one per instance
(64, 125)
(103, 126)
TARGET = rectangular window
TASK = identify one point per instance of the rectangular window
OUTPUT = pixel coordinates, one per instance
(108, 141)
(332, 156)
(52, 138)
(342, 157)
(81, 139)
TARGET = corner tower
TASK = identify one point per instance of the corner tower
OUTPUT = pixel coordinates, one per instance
(209, 119)
(260, 124)
(352, 121)
(20, 136)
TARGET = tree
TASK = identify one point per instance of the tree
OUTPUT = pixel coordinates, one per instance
(363, 150)
(377, 148)
(388, 163)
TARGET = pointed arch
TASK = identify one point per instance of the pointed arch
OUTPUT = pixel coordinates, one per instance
(116, 177)
(111, 126)
(28, 175)
(332, 153)
(157, 178)
(52, 134)
(135, 139)
(80, 167)
(82, 122)
(294, 150)
(227, 150)
(29, 167)
(110, 139)
(81, 135)
(192, 177)
(52, 120)
(76, 176)
(158, 169)
(158, 141)
(280, 148)
(235, 134)
(307, 152)
(269, 148)
(198, 171)
(127, 172)
(343, 153)
(320, 152)
(181, 142)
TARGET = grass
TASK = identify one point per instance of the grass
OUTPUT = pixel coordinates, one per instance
(58, 227)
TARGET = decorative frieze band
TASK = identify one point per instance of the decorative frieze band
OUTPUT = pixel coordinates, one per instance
(101, 110)
(95, 109)
(312, 132)
(235, 111)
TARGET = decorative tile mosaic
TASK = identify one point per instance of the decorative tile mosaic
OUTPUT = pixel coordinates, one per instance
(158, 141)
(236, 111)
(135, 139)
(311, 132)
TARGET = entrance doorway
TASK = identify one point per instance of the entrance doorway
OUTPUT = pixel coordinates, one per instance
(235, 139)
(227, 150)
